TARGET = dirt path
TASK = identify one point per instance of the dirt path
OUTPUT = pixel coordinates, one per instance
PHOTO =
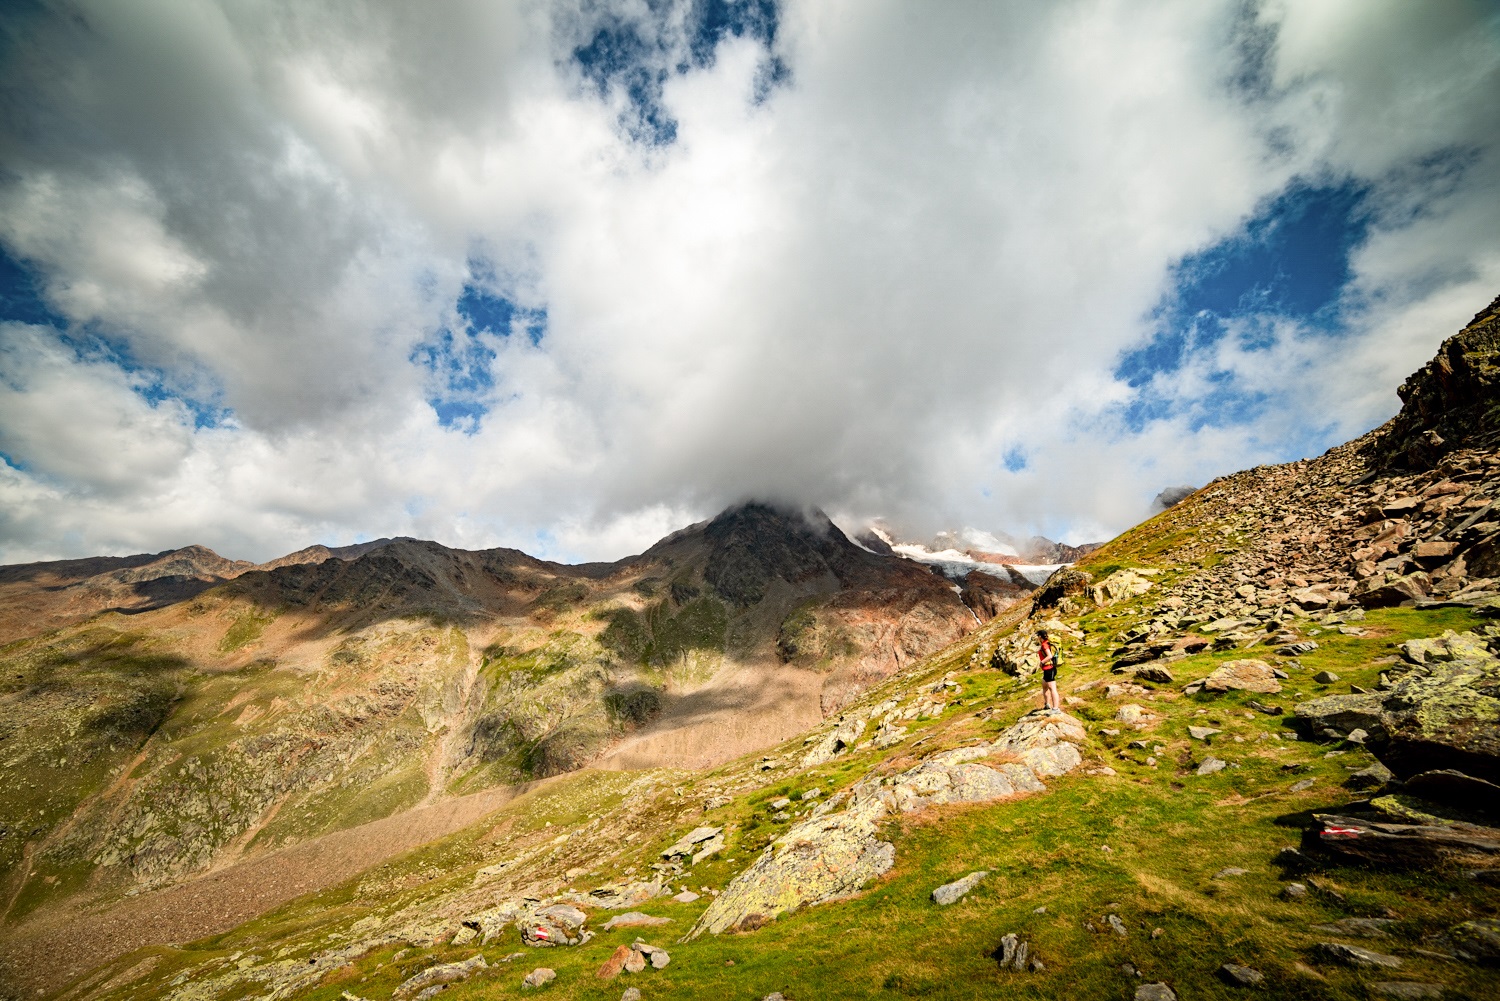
(736, 713)
(55, 947)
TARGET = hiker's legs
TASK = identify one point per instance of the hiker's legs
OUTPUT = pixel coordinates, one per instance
(1049, 695)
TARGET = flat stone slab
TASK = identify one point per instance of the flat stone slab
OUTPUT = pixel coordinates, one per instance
(951, 893)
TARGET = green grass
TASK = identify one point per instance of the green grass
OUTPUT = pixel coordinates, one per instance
(1168, 833)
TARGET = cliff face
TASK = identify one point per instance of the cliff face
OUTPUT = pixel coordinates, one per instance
(1451, 402)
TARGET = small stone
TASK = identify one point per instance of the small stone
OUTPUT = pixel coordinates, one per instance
(1155, 992)
(1231, 871)
(1039, 910)
(1158, 932)
(686, 897)
(1294, 891)
(774, 996)
(1408, 990)
(1115, 924)
(1353, 955)
(635, 962)
(1202, 732)
(660, 959)
(1302, 784)
(631, 994)
(539, 976)
(1211, 765)
(1357, 736)
(953, 892)
(1012, 952)
(1325, 677)
(1243, 976)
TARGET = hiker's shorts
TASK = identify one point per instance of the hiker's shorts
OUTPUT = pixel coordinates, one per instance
(1049, 674)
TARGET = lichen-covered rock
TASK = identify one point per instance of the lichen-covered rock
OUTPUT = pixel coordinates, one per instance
(1444, 713)
(1478, 941)
(1246, 675)
(559, 924)
(834, 854)
(1118, 586)
(818, 860)
(952, 893)
(830, 745)
(688, 843)
(445, 973)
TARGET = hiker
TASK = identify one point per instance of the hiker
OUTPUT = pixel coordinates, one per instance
(1050, 658)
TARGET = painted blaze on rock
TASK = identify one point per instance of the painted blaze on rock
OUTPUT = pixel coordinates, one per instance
(833, 854)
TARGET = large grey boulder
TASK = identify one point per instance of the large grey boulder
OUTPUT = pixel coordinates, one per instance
(1442, 713)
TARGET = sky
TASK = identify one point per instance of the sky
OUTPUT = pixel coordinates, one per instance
(567, 276)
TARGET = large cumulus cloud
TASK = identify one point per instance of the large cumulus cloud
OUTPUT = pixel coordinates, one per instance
(880, 257)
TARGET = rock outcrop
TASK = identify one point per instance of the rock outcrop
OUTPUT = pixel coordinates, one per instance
(834, 854)
(1441, 712)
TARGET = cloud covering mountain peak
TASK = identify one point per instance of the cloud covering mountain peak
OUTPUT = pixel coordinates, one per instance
(568, 276)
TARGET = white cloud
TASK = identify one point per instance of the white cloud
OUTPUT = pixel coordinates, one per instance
(928, 248)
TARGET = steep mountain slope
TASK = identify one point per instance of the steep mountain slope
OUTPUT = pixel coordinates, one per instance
(1206, 820)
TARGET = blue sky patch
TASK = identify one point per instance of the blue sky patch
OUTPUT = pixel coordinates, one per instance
(461, 361)
(1015, 460)
(1290, 260)
(21, 296)
(633, 58)
(21, 301)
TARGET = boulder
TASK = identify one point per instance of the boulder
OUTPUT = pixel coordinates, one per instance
(1441, 715)
(1375, 776)
(635, 962)
(1065, 582)
(687, 844)
(1240, 976)
(1325, 677)
(617, 896)
(1405, 845)
(1246, 675)
(615, 964)
(951, 893)
(1477, 941)
(1156, 673)
(539, 976)
(833, 854)
(560, 924)
(1211, 765)
(1353, 955)
(830, 745)
(445, 973)
(1455, 789)
(1391, 590)
(1117, 586)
